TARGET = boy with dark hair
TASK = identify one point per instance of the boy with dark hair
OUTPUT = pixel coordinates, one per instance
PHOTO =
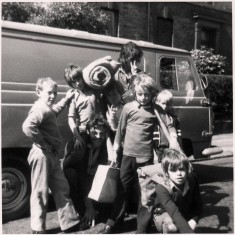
(130, 57)
(179, 202)
(83, 106)
(80, 170)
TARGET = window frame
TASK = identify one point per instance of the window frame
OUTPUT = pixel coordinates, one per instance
(177, 58)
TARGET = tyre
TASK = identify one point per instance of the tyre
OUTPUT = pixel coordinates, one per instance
(15, 190)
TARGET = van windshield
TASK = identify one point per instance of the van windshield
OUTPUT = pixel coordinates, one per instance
(176, 74)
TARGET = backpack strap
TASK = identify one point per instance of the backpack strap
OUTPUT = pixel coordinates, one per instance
(159, 179)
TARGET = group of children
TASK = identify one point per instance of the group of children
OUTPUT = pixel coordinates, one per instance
(131, 136)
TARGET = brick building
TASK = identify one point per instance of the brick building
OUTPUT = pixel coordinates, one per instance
(186, 25)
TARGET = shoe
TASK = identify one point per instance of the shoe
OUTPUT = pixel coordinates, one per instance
(106, 230)
(74, 228)
(38, 232)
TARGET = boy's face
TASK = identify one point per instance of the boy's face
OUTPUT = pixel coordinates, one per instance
(78, 83)
(143, 96)
(97, 136)
(178, 176)
(163, 104)
(48, 93)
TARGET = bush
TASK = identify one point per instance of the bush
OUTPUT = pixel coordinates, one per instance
(86, 16)
(208, 63)
(220, 93)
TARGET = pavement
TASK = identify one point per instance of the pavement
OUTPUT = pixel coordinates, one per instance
(216, 182)
(225, 141)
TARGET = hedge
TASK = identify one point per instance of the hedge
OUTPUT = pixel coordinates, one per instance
(220, 93)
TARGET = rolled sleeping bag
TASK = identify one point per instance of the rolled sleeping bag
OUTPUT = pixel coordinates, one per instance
(100, 72)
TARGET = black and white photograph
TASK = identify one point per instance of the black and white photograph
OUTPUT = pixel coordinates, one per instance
(117, 117)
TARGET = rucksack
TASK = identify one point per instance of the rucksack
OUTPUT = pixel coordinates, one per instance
(149, 177)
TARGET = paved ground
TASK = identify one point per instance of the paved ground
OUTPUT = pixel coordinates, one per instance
(216, 182)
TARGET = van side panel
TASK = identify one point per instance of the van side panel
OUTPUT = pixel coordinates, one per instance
(36, 56)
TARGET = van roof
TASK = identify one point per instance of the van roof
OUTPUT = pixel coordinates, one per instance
(82, 35)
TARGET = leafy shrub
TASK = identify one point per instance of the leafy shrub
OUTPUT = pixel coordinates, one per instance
(220, 93)
(85, 16)
(208, 63)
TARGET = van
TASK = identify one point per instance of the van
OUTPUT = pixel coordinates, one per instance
(32, 51)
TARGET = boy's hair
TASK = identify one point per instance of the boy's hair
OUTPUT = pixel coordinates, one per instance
(130, 52)
(41, 81)
(172, 159)
(72, 73)
(144, 81)
(97, 120)
(164, 96)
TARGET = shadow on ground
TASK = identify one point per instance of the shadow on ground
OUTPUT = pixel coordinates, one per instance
(211, 173)
(218, 203)
(216, 183)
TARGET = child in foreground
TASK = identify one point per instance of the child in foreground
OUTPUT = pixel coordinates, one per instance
(41, 127)
(179, 202)
(135, 133)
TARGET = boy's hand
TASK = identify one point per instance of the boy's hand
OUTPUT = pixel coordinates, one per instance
(79, 143)
(111, 112)
(69, 94)
(134, 68)
(90, 214)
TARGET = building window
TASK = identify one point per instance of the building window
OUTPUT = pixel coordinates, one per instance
(164, 31)
(208, 37)
(207, 32)
(111, 9)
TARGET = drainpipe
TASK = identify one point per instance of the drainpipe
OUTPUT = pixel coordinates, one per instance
(148, 21)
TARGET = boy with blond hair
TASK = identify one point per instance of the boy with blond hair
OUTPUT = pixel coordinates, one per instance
(135, 135)
(41, 127)
(163, 103)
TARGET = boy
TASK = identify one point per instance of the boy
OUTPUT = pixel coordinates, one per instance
(83, 106)
(130, 57)
(81, 171)
(41, 127)
(163, 104)
(135, 133)
(179, 202)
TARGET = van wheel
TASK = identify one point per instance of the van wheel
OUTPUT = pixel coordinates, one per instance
(15, 190)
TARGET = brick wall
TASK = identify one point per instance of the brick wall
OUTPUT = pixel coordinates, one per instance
(133, 23)
(133, 20)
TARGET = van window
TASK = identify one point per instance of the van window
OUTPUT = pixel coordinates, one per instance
(176, 74)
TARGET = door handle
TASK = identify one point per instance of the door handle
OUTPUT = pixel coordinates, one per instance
(205, 103)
